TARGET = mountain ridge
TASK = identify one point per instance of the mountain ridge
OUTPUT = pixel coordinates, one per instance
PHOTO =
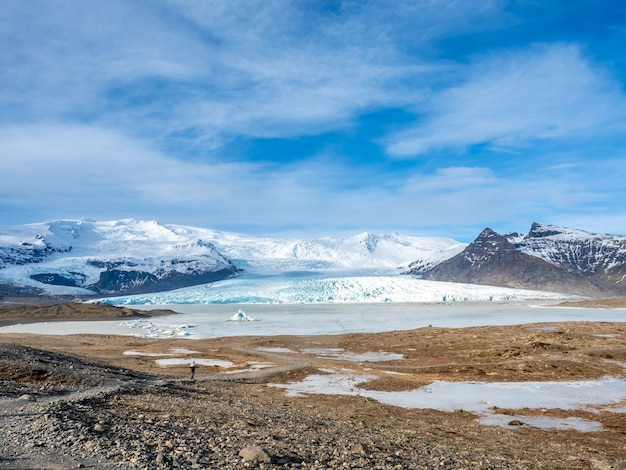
(546, 258)
(127, 256)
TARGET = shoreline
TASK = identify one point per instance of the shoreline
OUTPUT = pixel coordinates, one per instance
(62, 311)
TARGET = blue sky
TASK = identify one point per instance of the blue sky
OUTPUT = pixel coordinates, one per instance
(313, 118)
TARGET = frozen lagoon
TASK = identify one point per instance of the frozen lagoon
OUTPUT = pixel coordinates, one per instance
(212, 320)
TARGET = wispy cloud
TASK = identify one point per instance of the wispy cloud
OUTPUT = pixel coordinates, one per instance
(253, 68)
(509, 99)
(87, 172)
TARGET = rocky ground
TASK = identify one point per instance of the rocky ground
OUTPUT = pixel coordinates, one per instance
(81, 402)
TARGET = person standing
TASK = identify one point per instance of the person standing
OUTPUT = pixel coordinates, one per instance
(192, 366)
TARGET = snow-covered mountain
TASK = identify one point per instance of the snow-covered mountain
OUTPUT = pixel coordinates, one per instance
(590, 254)
(360, 253)
(546, 258)
(125, 256)
(130, 257)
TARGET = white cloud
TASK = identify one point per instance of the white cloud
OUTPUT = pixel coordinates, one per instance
(451, 178)
(58, 171)
(260, 68)
(88, 169)
(508, 99)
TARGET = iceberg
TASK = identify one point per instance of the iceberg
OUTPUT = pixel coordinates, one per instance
(241, 316)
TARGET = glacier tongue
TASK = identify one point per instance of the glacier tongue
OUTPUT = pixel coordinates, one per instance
(288, 289)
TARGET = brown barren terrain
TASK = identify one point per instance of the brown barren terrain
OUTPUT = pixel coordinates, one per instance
(613, 302)
(80, 401)
(25, 313)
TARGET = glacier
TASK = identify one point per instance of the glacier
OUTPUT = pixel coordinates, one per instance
(301, 288)
(269, 270)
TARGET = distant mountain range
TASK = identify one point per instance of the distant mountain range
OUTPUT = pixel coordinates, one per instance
(124, 257)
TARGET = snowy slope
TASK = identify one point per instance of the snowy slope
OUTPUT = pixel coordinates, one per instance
(365, 251)
(575, 250)
(77, 256)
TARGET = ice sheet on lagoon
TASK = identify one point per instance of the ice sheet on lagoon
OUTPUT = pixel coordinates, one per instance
(208, 321)
(152, 331)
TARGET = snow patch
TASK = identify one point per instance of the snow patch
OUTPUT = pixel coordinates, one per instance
(275, 350)
(482, 398)
(338, 353)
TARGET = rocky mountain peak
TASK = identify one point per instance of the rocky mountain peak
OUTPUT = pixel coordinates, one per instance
(487, 244)
(600, 257)
(489, 237)
(538, 230)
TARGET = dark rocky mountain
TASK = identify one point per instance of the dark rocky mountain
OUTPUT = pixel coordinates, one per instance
(547, 258)
(126, 277)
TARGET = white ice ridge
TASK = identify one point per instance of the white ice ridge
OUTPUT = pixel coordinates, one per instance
(481, 398)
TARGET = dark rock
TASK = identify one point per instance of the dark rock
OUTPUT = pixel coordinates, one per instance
(515, 422)
(55, 279)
